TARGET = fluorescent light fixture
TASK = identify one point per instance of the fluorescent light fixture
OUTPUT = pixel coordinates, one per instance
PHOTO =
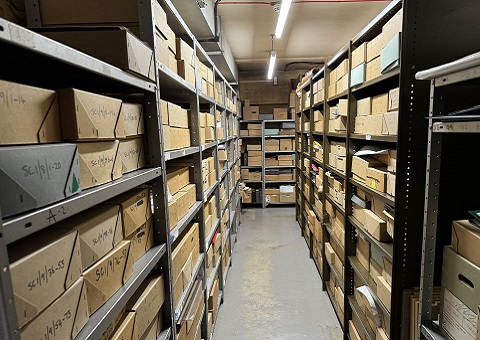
(282, 18)
(271, 64)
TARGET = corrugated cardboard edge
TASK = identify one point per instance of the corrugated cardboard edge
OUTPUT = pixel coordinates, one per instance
(74, 169)
(117, 166)
(74, 264)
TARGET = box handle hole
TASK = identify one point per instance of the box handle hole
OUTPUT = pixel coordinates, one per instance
(466, 281)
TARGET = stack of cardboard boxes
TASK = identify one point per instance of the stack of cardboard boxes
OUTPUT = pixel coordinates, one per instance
(280, 113)
(336, 189)
(378, 115)
(318, 91)
(337, 156)
(338, 117)
(75, 256)
(318, 121)
(338, 79)
(222, 160)
(287, 194)
(213, 305)
(210, 214)
(334, 256)
(206, 75)
(250, 112)
(209, 175)
(107, 131)
(254, 154)
(181, 193)
(223, 194)
(185, 254)
(189, 322)
(219, 89)
(175, 124)
(185, 56)
(380, 272)
(207, 127)
(380, 55)
(219, 125)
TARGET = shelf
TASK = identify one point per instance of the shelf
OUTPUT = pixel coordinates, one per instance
(336, 134)
(211, 279)
(209, 145)
(332, 235)
(172, 82)
(281, 152)
(319, 215)
(337, 206)
(317, 133)
(336, 274)
(205, 99)
(338, 96)
(280, 203)
(378, 80)
(390, 199)
(103, 317)
(335, 171)
(227, 270)
(334, 304)
(25, 224)
(363, 319)
(169, 155)
(224, 173)
(366, 279)
(279, 182)
(252, 181)
(186, 292)
(184, 221)
(279, 136)
(379, 138)
(317, 161)
(319, 104)
(220, 105)
(280, 167)
(280, 121)
(319, 266)
(209, 237)
(249, 137)
(386, 248)
(209, 192)
(250, 166)
(38, 58)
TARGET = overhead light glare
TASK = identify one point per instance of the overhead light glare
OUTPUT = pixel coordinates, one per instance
(282, 18)
(271, 64)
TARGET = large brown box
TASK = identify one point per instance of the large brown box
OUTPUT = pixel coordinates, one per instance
(183, 247)
(186, 71)
(86, 115)
(175, 138)
(146, 303)
(287, 198)
(100, 162)
(33, 263)
(376, 178)
(359, 55)
(105, 277)
(286, 144)
(466, 240)
(132, 153)
(29, 115)
(280, 113)
(380, 103)
(141, 240)
(136, 209)
(132, 115)
(70, 308)
(114, 45)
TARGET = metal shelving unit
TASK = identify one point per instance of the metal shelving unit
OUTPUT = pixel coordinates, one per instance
(448, 197)
(419, 21)
(62, 66)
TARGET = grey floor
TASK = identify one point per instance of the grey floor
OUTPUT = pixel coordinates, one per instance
(274, 291)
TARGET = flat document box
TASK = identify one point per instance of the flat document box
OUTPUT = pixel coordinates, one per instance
(100, 162)
(42, 268)
(114, 45)
(35, 176)
(69, 312)
(29, 115)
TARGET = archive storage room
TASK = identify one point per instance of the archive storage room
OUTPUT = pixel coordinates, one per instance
(237, 170)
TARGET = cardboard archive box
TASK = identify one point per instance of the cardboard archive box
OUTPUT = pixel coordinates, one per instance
(135, 207)
(132, 153)
(100, 162)
(146, 303)
(114, 45)
(29, 115)
(89, 116)
(42, 268)
(70, 308)
(37, 175)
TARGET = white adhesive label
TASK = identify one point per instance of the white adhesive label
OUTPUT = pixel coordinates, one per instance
(458, 320)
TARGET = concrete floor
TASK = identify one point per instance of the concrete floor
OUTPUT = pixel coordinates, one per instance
(274, 291)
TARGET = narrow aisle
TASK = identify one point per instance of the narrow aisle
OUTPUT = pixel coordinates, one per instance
(274, 291)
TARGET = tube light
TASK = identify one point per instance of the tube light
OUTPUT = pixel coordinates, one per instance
(271, 64)
(282, 18)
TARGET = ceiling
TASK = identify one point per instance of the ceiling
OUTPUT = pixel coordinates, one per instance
(315, 30)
